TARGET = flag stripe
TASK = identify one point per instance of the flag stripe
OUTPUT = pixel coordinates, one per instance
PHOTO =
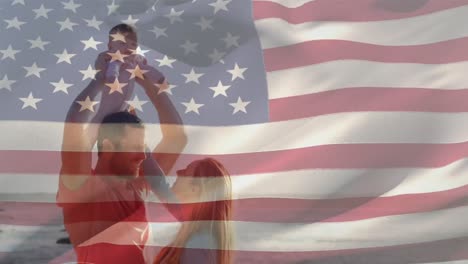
(336, 75)
(277, 210)
(411, 31)
(368, 99)
(319, 51)
(328, 156)
(349, 183)
(333, 129)
(368, 233)
(357, 10)
(448, 262)
(286, 3)
(440, 251)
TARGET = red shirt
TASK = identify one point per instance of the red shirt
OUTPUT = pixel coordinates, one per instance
(106, 219)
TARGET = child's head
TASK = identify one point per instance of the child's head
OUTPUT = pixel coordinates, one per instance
(123, 37)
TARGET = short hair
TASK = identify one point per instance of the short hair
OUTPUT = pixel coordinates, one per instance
(113, 126)
(124, 29)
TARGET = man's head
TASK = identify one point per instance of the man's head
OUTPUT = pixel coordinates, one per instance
(121, 143)
(130, 36)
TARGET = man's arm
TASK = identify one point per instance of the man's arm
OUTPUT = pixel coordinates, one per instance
(81, 128)
(174, 138)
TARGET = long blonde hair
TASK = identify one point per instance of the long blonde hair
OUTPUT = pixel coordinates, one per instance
(215, 209)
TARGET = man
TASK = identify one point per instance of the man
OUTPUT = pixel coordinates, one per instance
(103, 208)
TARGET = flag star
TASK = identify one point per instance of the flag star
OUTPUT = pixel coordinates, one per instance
(61, 86)
(136, 103)
(166, 61)
(116, 86)
(220, 89)
(91, 43)
(130, 21)
(168, 89)
(71, 6)
(158, 32)
(239, 106)
(15, 2)
(216, 56)
(5, 83)
(220, 5)
(42, 12)
(193, 77)
(9, 53)
(231, 40)
(93, 23)
(38, 43)
(237, 72)
(192, 106)
(117, 56)
(14, 23)
(30, 101)
(87, 104)
(137, 72)
(118, 37)
(189, 47)
(89, 73)
(34, 70)
(174, 16)
(139, 51)
(66, 24)
(205, 23)
(112, 8)
(65, 57)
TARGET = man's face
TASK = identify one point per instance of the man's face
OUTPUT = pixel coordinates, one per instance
(129, 153)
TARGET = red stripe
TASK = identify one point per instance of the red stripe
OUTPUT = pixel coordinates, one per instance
(363, 99)
(443, 250)
(356, 10)
(337, 156)
(434, 251)
(254, 210)
(319, 51)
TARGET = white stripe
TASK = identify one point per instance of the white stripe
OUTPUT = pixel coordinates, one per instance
(430, 28)
(343, 128)
(335, 75)
(288, 3)
(265, 236)
(303, 184)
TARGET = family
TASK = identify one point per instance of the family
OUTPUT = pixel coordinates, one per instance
(104, 206)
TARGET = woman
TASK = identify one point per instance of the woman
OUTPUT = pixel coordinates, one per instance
(205, 235)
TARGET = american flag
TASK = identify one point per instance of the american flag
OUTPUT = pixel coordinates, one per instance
(343, 125)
